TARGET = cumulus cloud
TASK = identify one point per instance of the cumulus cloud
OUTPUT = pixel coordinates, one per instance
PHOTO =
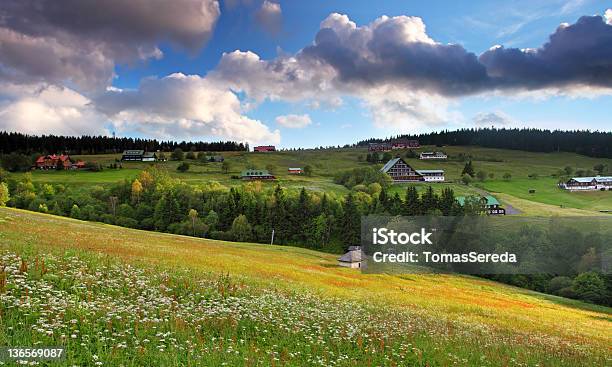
(48, 109)
(575, 55)
(183, 106)
(294, 121)
(497, 118)
(406, 79)
(79, 42)
(269, 16)
(608, 16)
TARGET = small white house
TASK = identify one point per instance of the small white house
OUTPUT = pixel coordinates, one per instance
(352, 259)
(433, 155)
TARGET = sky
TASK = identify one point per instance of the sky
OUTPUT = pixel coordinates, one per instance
(302, 74)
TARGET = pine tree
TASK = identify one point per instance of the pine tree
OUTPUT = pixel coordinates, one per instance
(468, 169)
(447, 201)
(412, 204)
(351, 222)
(429, 200)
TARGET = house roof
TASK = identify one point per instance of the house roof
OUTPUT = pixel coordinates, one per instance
(255, 172)
(295, 169)
(426, 171)
(133, 152)
(352, 256)
(590, 179)
(490, 200)
(390, 164)
(149, 155)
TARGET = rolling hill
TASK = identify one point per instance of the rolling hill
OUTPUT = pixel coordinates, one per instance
(246, 304)
(326, 163)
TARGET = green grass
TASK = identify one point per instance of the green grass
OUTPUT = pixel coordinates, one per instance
(547, 192)
(141, 298)
(326, 163)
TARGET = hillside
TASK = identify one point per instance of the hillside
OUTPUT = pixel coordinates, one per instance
(326, 163)
(444, 318)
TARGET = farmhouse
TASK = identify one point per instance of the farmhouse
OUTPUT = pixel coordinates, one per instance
(136, 155)
(588, 183)
(433, 155)
(404, 144)
(264, 148)
(352, 259)
(400, 171)
(295, 171)
(491, 205)
(46, 162)
(379, 147)
(256, 174)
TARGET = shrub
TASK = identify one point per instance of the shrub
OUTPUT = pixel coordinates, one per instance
(183, 167)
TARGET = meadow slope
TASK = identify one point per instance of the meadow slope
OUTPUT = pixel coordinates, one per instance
(326, 163)
(522, 327)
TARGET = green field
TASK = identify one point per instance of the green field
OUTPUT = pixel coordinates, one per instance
(326, 163)
(116, 296)
(546, 191)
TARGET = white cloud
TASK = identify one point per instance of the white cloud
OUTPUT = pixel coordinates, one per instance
(294, 121)
(608, 16)
(48, 109)
(496, 118)
(182, 106)
(269, 16)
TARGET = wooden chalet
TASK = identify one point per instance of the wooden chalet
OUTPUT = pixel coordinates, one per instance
(256, 174)
(400, 171)
(264, 148)
(295, 171)
(54, 162)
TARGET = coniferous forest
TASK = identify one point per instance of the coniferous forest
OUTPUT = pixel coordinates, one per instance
(589, 143)
(30, 144)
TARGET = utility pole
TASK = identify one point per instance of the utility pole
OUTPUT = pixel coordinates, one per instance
(272, 240)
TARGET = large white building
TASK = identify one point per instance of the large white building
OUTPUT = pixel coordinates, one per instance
(588, 183)
(400, 171)
(433, 155)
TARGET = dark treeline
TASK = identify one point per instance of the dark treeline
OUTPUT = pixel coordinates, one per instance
(589, 143)
(31, 144)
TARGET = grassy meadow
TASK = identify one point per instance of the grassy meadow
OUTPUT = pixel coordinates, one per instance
(116, 296)
(326, 163)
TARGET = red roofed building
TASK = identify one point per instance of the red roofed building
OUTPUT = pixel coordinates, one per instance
(265, 148)
(52, 161)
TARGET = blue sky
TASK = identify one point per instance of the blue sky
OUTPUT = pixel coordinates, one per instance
(474, 25)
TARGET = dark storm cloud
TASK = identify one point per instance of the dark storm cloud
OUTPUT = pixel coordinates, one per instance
(577, 54)
(187, 23)
(79, 41)
(393, 50)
